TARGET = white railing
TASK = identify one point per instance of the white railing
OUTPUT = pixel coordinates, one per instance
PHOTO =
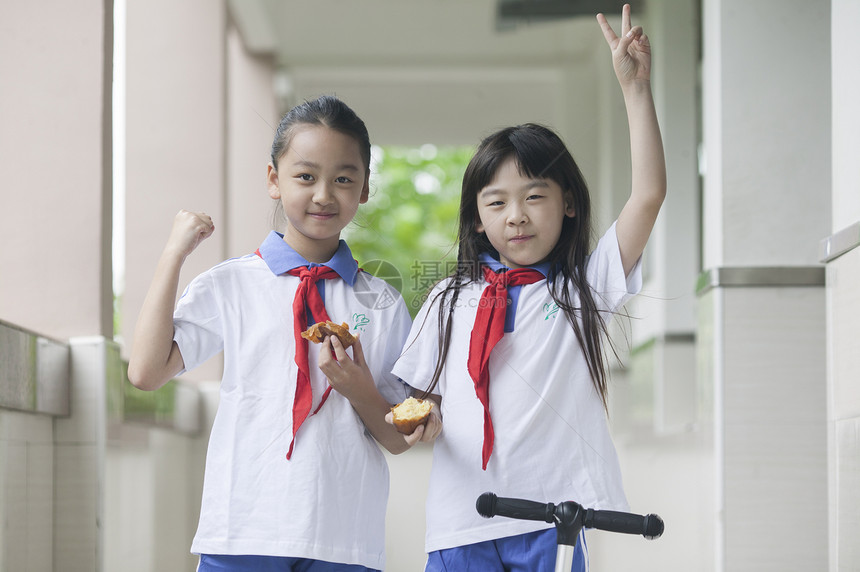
(35, 373)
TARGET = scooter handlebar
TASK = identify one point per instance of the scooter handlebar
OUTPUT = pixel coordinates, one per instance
(650, 526)
(489, 505)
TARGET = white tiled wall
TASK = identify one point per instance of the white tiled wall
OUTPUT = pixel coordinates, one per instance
(79, 460)
(847, 495)
(78, 517)
(26, 492)
(773, 459)
(129, 534)
(177, 477)
(843, 285)
(153, 483)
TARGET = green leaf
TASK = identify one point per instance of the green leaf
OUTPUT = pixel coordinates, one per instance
(414, 229)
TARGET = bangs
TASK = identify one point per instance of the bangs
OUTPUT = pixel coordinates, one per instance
(539, 154)
(537, 151)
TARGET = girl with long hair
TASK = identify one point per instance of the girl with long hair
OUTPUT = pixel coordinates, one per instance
(511, 346)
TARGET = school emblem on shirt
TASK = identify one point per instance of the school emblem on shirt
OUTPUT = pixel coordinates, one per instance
(551, 310)
(359, 322)
(372, 296)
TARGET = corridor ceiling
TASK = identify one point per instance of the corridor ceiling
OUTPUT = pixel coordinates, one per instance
(441, 71)
(414, 32)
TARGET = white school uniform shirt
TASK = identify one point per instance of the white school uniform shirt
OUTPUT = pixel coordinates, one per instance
(552, 442)
(328, 501)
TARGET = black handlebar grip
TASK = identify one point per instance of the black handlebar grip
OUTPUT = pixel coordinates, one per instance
(489, 505)
(653, 527)
(649, 526)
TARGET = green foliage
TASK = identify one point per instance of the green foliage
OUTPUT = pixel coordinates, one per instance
(410, 220)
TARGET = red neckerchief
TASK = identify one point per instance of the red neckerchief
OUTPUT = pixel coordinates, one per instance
(307, 298)
(488, 330)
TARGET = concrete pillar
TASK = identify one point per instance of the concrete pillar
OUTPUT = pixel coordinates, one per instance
(175, 139)
(252, 118)
(55, 166)
(841, 252)
(761, 306)
(55, 231)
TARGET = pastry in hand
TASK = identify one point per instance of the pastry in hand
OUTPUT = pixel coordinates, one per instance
(320, 330)
(411, 413)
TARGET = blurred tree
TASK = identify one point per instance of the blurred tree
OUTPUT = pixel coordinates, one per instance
(410, 220)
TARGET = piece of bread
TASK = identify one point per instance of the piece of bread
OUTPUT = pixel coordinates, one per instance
(411, 413)
(320, 330)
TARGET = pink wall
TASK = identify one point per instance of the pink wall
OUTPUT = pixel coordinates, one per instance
(54, 238)
(175, 138)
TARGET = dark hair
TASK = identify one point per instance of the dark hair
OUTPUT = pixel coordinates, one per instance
(327, 111)
(539, 153)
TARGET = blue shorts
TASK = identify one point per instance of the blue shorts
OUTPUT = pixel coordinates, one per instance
(530, 552)
(242, 563)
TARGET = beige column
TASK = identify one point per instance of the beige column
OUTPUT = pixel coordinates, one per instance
(175, 140)
(55, 231)
(761, 306)
(55, 61)
(252, 118)
(841, 252)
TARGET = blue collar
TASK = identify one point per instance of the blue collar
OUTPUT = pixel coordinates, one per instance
(513, 291)
(280, 257)
(496, 266)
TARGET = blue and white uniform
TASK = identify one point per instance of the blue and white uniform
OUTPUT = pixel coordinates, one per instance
(328, 502)
(551, 437)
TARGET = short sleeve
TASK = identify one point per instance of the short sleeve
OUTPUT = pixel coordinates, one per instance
(605, 274)
(389, 385)
(421, 350)
(197, 324)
